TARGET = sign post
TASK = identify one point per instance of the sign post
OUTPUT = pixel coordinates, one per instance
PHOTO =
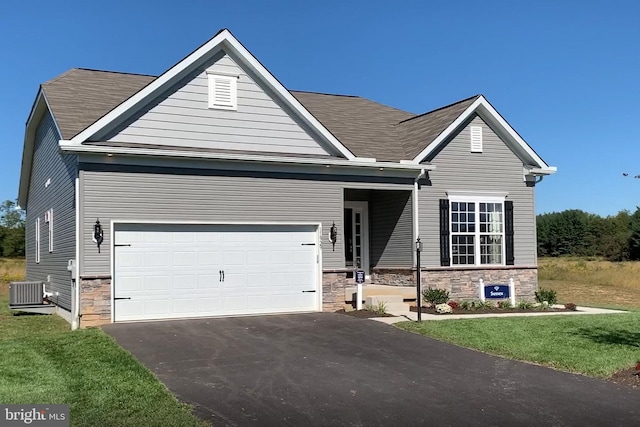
(359, 275)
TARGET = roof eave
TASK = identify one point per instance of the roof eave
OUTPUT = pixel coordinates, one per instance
(71, 148)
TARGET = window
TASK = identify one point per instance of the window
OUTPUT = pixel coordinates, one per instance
(37, 240)
(223, 92)
(48, 218)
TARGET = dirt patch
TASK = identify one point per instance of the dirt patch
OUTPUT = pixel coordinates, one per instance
(629, 377)
(364, 314)
(432, 310)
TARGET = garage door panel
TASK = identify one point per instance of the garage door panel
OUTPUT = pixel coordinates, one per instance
(173, 271)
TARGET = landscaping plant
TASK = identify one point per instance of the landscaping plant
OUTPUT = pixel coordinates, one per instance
(435, 296)
(453, 304)
(379, 308)
(524, 305)
(548, 295)
(504, 304)
(571, 306)
(443, 308)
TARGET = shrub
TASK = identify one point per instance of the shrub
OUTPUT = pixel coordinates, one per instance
(504, 304)
(548, 295)
(435, 296)
(484, 304)
(524, 305)
(379, 308)
(571, 306)
(466, 305)
(454, 304)
(443, 308)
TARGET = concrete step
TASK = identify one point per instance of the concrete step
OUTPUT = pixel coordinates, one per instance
(391, 302)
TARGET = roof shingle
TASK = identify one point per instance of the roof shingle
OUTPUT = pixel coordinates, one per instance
(79, 97)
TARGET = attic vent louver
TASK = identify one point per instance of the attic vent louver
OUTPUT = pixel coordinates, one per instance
(476, 139)
(223, 92)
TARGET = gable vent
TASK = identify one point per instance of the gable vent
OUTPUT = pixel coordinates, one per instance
(476, 139)
(223, 92)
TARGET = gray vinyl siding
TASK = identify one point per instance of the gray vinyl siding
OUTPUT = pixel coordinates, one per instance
(391, 229)
(497, 168)
(48, 163)
(170, 197)
(182, 118)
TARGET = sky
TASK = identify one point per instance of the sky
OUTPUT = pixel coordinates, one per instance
(565, 74)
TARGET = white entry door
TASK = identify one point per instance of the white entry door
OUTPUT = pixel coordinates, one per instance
(356, 235)
(164, 271)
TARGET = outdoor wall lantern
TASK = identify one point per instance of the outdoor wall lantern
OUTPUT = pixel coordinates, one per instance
(333, 235)
(98, 234)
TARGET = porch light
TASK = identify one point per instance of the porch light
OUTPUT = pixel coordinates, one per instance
(98, 234)
(333, 235)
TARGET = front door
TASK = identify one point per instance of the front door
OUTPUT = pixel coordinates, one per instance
(356, 235)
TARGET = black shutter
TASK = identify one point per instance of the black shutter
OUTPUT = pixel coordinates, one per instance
(508, 232)
(444, 233)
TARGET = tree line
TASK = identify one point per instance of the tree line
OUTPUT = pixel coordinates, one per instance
(575, 232)
(11, 230)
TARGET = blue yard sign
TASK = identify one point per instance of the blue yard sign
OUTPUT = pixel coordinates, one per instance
(359, 276)
(496, 291)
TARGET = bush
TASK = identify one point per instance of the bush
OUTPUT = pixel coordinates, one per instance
(548, 295)
(435, 296)
(571, 306)
(443, 308)
(467, 305)
(524, 305)
(380, 308)
(454, 304)
(504, 304)
(484, 304)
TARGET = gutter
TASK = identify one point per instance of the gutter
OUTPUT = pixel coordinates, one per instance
(364, 163)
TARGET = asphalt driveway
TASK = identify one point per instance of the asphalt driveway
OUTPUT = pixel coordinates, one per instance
(328, 369)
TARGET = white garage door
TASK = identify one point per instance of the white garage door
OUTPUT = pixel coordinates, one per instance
(165, 271)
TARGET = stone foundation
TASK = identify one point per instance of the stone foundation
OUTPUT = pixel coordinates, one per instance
(462, 283)
(394, 276)
(333, 284)
(95, 300)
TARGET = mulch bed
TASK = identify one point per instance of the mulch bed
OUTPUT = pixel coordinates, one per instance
(432, 310)
(363, 314)
(628, 377)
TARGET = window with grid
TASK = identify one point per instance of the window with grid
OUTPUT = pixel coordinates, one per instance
(477, 233)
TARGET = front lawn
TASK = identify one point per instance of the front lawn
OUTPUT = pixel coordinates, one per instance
(595, 345)
(42, 361)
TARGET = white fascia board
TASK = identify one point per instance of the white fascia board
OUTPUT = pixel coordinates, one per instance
(70, 147)
(146, 92)
(476, 196)
(445, 133)
(549, 170)
(40, 105)
(224, 40)
(483, 106)
(285, 95)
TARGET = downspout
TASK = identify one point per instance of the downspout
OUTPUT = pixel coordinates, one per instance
(75, 321)
(539, 180)
(416, 209)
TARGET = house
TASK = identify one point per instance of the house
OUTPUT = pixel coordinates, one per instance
(213, 190)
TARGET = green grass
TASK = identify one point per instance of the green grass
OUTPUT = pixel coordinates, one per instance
(42, 361)
(595, 345)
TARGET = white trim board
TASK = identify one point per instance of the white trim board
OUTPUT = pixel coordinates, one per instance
(224, 40)
(485, 110)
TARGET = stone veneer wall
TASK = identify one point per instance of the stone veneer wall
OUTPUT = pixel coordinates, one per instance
(95, 300)
(333, 284)
(462, 283)
(393, 276)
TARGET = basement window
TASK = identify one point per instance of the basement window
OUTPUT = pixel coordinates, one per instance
(223, 92)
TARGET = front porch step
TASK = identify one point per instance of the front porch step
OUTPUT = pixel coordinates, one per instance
(391, 302)
(407, 292)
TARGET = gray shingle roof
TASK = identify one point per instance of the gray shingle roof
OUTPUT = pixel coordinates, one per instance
(79, 97)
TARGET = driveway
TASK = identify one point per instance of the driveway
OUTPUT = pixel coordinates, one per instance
(327, 369)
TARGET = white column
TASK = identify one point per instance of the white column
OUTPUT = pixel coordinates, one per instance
(481, 290)
(512, 292)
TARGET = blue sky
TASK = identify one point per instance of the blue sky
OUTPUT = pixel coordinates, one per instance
(565, 74)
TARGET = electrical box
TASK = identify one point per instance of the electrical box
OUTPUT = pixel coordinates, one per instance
(71, 266)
